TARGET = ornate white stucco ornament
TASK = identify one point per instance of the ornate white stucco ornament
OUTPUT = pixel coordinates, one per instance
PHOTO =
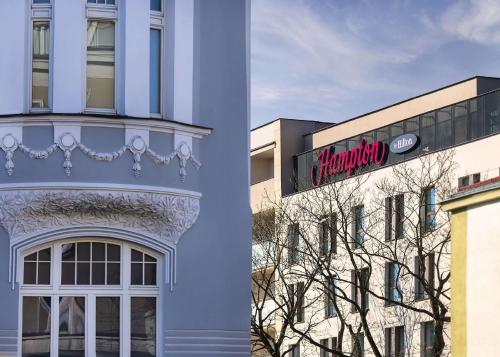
(67, 143)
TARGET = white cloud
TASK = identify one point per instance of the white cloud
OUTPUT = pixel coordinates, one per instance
(474, 20)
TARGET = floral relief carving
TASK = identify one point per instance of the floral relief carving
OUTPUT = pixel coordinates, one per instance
(67, 143)
(162, 215)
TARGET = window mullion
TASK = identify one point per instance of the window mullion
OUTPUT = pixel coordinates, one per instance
(56, 266)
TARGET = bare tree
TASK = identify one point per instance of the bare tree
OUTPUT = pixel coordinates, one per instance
(374, 250)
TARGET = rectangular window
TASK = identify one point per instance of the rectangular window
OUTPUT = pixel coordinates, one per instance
(394, 217)
(492, 112)
(424, 275)
(359, 288)
(143, 326)
(412, 126)
(155, 5)
(107, 330)
(358, 345)
(428, 131)
(71, 326)
(100, 64)
(330, 298)
(154, 70)
(428, 210)
(41, 1)
(358, 227)
(426, 339)
(101, 2)
(40, 65)
(328, 236)
(395, 341)
(476, 117)
(296, 294)
(460, 123)
(476, 178)
(444, 128)
(293, 244)
(328, 344)
(463, 181)
(392, 290)
(294, 350)
(36, 326)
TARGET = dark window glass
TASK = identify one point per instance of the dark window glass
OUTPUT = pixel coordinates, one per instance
(40, 65)
(136, 274)
(426, 338)
(143, 326)
(443, 136)
(155, 5)
(150, 274)
(463, 181)
(30, 273)
(68, 273)
(136, 256)
(83, 273)
(492, 111)
(68, 252)
(83, 252)
(41, 1)
(428, 210)
(154, 69)
(392, 289)
(460, 125)
(107, 329)
(44, 273)
(148, 258)
(412, 127)
(44, 255)
(330, 297)
(72, 326)
(293, 244)
(36, 326)
(31, 257)
(113, 277)
(358, 225)
(113, 252)
(476, 117)
(98, 252)
(428, 130)
(98, 273)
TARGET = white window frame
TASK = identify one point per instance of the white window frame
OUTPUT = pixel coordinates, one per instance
(102, 12)
(125, 291)
(39, 13)
(157, 22)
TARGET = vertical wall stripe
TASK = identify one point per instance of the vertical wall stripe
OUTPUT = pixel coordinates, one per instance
(459, 284)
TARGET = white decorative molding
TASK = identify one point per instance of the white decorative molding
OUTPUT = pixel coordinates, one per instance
(155, 218)
(67, 142)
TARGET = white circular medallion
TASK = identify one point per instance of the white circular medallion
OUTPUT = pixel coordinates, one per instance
(138, 144)
(67, 140)
(8, 141)
(184, 149)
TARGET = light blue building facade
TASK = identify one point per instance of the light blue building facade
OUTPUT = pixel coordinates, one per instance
(124, 203)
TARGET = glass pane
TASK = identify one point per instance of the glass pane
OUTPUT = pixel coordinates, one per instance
(98, 252)
(44, 273)
(150, 274)
(40, 65)
(101, 64)
(155, 5)
(83, 273)
(143, 326)
(113, 252)
(460, 122)
(30, 273)
(31, 257)
(71, 326)
(476, 117)
(107, 331)
(492, 111)
(36, 326)
(149, 258)
(114, 273)
(44, 255)
(136, 256)
(154, 69)
(68, 273)
(98, 273)
(136, 274)
(83, 252)
(41, 1)
(444, 128)
(428, 130)
(68, 252)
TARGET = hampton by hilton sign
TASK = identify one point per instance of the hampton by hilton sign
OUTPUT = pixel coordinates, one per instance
(330, 164)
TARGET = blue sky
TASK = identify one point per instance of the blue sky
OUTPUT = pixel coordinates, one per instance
(331, 60)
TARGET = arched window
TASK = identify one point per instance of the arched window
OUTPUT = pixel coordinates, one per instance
(91, 297)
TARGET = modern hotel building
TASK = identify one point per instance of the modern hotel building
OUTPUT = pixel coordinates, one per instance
(366, 195)
(118, 215)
